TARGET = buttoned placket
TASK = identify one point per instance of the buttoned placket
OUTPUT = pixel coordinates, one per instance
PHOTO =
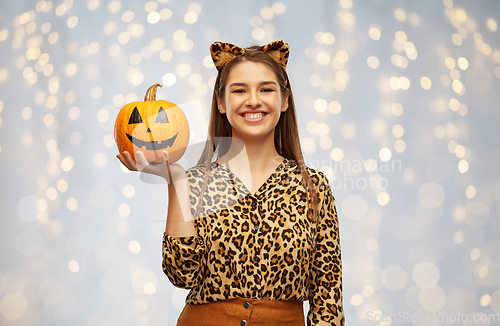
(255, 209)
(246, 317)
(255, 229)
(255, 235)
(254, 206)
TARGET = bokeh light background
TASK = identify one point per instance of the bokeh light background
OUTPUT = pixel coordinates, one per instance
(397, 101)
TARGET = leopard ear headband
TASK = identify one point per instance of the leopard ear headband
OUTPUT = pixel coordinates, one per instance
(223, 53)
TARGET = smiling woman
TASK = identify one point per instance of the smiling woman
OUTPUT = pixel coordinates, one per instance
(253, 102)
(265, 232)
(251, 230)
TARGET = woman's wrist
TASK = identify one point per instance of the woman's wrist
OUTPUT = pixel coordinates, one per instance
(173, 173)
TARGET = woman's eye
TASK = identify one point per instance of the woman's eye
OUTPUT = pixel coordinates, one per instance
(267, 90)
(238, 91)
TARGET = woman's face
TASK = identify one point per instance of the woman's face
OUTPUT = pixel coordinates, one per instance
(253, 101)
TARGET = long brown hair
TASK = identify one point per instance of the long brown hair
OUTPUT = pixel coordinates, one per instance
(286, 134)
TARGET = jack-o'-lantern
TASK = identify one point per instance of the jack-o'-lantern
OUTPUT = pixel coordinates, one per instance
(152, 126)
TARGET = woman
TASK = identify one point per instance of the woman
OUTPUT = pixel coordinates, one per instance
(255, 233)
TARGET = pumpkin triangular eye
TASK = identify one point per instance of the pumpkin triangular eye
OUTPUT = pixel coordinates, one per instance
(161, 117)
(135, 117)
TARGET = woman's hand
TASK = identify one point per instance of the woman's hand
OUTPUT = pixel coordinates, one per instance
(170, 172)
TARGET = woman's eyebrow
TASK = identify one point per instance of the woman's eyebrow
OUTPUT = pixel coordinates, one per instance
(270, 82)
(237, 84)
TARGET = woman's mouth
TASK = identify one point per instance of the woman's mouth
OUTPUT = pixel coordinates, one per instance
(254, 117)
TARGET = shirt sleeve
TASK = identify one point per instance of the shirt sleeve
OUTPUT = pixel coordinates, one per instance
(182, 260)
(325, 303)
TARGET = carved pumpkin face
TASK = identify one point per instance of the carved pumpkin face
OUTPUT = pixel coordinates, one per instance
(152, 127)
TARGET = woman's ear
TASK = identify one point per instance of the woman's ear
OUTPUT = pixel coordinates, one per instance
(284, 104)
(220, 106)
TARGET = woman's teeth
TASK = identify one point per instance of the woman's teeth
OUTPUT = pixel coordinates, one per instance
(254, 116)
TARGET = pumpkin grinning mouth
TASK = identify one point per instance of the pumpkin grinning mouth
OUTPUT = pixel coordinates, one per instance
(152, 145)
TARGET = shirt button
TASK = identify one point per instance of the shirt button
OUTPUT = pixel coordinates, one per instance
(246, 305)
(256, 228)
(243, 322)
(255, 258)
(255, 288)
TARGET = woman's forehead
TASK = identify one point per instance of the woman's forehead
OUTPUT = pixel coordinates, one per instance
(251, 72)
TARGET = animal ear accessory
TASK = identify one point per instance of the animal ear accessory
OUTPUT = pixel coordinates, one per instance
(222, 53)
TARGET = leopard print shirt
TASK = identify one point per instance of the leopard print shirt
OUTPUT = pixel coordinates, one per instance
(262, 245)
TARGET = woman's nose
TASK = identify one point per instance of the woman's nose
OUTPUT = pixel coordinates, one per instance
(253, 99)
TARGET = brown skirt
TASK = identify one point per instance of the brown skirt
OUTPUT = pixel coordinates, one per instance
(243, 312)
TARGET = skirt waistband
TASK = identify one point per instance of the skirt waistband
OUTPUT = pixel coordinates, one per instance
(245, 312)
(260, 306)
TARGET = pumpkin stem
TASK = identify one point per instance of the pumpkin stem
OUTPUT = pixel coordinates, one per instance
(151, 93)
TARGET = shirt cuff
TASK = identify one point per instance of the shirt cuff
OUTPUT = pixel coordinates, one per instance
(187, 244)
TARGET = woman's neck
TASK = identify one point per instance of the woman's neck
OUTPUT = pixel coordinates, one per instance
(259, 155)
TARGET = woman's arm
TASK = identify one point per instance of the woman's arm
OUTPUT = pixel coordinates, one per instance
(326, 306)
(180, 222)
(182, 248)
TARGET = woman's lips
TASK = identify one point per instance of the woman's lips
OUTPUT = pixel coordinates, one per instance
(254, 117)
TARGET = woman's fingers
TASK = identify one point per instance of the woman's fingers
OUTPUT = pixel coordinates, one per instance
(127, 160)
(141, 161)
(120, 157)
(131, 161)
(143, 165)
(169, 171)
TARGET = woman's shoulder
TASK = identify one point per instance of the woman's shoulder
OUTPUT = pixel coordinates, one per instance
(196, 174)
(200, 168)
(317, 176)
(196, 171)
